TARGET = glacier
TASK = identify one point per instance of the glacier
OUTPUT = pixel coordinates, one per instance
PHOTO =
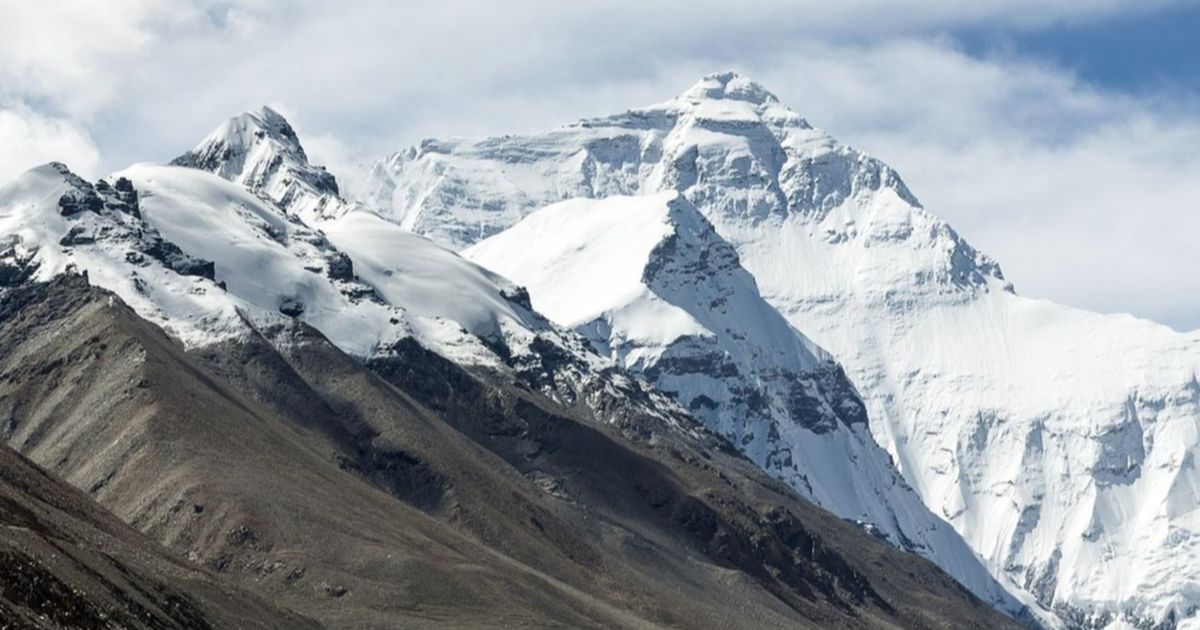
(1060, 444)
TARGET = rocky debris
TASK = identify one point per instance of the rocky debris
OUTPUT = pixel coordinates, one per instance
(175, 259)
(340, 267)
(291, 306)
(66, 562)
(335, 591)
(16, 267)
(75, 201)
(293, 576)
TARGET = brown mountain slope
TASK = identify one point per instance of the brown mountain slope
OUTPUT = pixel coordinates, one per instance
(337, 492)
(66, 562)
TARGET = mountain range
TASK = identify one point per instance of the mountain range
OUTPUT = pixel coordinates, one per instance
(693, 365)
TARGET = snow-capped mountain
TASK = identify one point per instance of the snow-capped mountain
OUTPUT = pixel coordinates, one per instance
(1060, 444)
(260, 151)
(650, 283)
(210, 260)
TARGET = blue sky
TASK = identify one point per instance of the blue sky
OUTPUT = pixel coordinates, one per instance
(1059, 136)
(1139, 52)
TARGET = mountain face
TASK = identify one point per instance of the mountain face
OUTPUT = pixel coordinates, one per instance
(1058, 443)
(342, 468)
(651, 284)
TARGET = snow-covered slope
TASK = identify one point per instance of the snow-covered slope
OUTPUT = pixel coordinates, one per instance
(1061, 444)
(260, 150)
(245, 258)
(650, 283)
(208, 260)
(428, 279)
(51, 220)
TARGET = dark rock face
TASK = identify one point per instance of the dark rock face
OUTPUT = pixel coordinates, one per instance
(292, 307)
(127, 197)
(520, 297)
(699, 362)
(403, 475)
(325, 182)
(208, 161)
(77, 235)
(92, 198)
(835, 394)
(15, 268)
(170, 255)
(340, 267)
(75, 201)
(117, 220)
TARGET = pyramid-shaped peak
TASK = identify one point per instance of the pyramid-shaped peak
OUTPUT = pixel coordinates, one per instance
(260, 150)
(252, 126)
(729, 85)
(274, 121)
(256, 134)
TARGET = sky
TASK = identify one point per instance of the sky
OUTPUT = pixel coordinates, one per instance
(1062, 137)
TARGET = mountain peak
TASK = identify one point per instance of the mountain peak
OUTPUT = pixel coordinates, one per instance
(260, 150)
(651, 266)
(266, 112)
(255, 127)
(729, 85)
(272, 124)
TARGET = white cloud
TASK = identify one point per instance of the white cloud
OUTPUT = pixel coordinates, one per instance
(334, 154)
(28, 139)
(382, 56)
(1084, 196)
(73, 55)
